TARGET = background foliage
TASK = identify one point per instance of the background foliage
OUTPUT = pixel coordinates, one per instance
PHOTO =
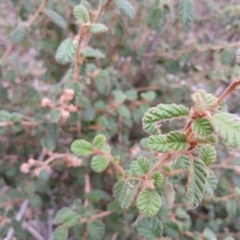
(149, 53)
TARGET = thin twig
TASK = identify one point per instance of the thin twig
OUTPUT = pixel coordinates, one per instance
(87, 188)
(39, 11)
(99, 215)
(22, 208)
(28, 24)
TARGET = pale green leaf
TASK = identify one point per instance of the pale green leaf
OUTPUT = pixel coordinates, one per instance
(60, 233)
(117, 188)
(81, 13)
(128, 192)
(35, 201)
(183, 162)
(119, 96)
(163, 112)
(149, 96)
(66, 51)
(96, 229)
(207, 99)
(150, 228)
(154, 18)
(172, 229)
(157, 178)
(229, 238)
(67, 216)
(169, 195)
(208, 234)
(56, 18)
(126, 6)
(92, 53)
(86, 4)
(140, 166)
(158, 143)
(99, 141)
(202, 127)
(186, 11)
(207, 154)
(148, 202)
(18, 34)
(82, 147)
(96, 28)
(196, 183)
(177, 141)
(55, 115)
(228, 127)
(124, 111)
(211, 183)
(48, 143)
(99, 163)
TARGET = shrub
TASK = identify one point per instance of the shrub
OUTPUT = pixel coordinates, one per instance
(119, 120)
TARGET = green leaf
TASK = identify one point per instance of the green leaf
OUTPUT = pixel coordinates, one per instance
(150, 228)
(154, 18)
(92, 53)
(177, 141)
(35, 201)
(66, 51)
(186, 11)
(228, 127)
(99, 163)
(158, 143)
(131, 95)
(124, 111)
(196, 183)
(207, 154)
(202, 127)
(149, 96)
(229, 238)
(55, 115)
(96, 28)
(211, 183)
(140, 166)
(16, 117)
(119, 96)
(183, 162)
(60, 233)
(205, 98)
(81, 13)
(128, 192)
(163, 112)
(18, 34)
(99, 141)
(56, 18)
(157, 177)
(148, 202)
(117, 188)
(169, 195)
(126, 6)
(96, 229)
(208, 234)
(66, 216)
(5, 116)
(48, 143)
(172, 229)
(82, 147)
(86, 4)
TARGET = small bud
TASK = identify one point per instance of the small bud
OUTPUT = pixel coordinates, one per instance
(72, 108)
(65, 114)
(24, 168)
(46, 102)
(31, 162)
(69, 92)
